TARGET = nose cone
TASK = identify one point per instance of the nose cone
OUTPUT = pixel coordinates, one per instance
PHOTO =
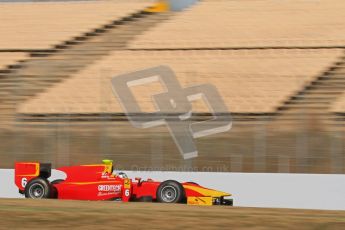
(215, 193)
(205, 191)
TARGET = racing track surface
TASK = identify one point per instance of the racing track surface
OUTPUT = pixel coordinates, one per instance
(55, 214)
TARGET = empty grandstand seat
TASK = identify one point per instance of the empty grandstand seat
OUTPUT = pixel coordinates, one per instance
(220, 24)
(41, 25)
(339, 105)
(249, 82)
(10, 58)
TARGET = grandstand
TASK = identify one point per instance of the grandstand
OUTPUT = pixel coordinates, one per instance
(251, 82)
(48, 67)
(42, 25)
(339, 105)
(338, 110)
(279, 66)
(250, 24)
(8, 60)
(315, 101)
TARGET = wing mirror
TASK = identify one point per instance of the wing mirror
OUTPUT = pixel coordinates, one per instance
(138, 179)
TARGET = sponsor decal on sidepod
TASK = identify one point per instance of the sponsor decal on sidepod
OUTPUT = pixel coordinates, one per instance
(104, 190)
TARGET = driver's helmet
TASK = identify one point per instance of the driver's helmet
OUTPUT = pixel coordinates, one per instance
(108, 166)
(122, 175)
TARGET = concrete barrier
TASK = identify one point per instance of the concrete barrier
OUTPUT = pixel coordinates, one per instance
(307, 191)
(9, 190)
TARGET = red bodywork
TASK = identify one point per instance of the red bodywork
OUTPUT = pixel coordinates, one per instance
(96, 182)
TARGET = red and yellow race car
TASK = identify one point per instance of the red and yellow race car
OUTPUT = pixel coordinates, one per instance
(98, 182)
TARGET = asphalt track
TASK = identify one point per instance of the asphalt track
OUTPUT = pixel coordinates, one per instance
(57, 214)
(265, 190)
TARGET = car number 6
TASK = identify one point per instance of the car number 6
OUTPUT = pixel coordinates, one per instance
(24, 182)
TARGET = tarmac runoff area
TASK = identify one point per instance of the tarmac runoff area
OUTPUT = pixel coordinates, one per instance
(265, 190)
(57, 214)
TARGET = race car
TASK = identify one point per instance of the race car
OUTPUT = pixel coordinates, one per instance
(100, 182)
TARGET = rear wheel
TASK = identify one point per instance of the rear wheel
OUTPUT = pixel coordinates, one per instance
(170, 191)
(38, 188)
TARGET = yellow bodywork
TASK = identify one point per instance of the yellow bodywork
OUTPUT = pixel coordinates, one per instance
(108, 166)
(203, 200)
(127, 183)
(206, 192)
(160, 6)
(207, 195)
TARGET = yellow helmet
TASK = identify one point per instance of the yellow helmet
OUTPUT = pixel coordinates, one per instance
(108, 166)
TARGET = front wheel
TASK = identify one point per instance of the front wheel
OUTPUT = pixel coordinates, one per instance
(170, 191)
(38, 188)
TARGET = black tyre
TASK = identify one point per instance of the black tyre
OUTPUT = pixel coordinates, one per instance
(38, 188)
(170, 191)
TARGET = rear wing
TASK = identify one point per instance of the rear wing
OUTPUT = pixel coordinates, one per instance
(26, 171)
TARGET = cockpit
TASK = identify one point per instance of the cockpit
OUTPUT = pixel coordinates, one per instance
(109, 168)
(121, 175)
